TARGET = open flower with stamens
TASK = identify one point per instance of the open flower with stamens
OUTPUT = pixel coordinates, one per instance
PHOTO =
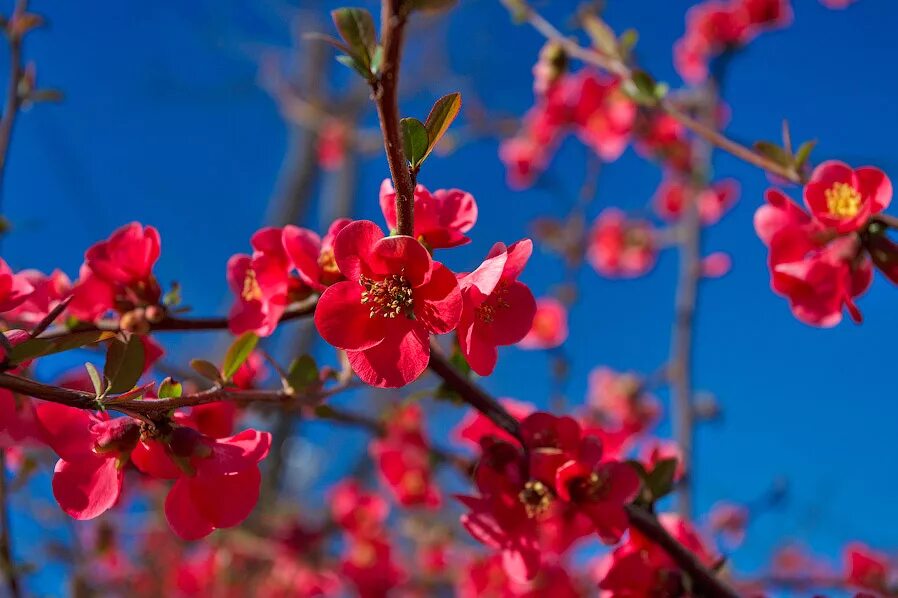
(261, 283)
(394, 298)
(312, 256)
(498, 309)
(843, 198)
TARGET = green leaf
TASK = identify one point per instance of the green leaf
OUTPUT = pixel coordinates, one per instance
(643, 89)
(95, 379)
(356, 27)
(303, 373)
(661, 479)
(170, 389)
(414, 140)
(627, 41)
(173, 297)
(601, 34)
(206, 369)
(441, 116)
(804, 153)
(774, 152)
(38, 347)
(124, 364)
(354, 64)
(238, 352)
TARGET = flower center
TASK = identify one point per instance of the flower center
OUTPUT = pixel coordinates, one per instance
(589, 488)
(536, 498)
(251, 289)
(327, 262)
(843, 200)
(388, 297)
(496, 301)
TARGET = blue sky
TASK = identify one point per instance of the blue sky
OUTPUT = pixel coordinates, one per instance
(164, 123)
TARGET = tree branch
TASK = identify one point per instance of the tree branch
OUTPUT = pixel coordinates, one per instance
(617, 67)
(386, 97)
(13, 100)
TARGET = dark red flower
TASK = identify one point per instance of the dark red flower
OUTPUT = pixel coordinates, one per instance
(394, 298)
(498, 310)
(713, 203)
(358, 511)
(866, 568)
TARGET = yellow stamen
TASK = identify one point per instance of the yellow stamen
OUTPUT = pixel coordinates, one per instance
(251, 289)
(843, 200)
(389, 297)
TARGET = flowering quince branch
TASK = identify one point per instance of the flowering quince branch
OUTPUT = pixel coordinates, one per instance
(615, 65)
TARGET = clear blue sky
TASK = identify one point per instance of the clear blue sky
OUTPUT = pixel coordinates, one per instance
(163, 122)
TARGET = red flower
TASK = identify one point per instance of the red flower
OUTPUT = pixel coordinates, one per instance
(621, 399)
(251, 372)
(729, 520)
(48, 292)
(498, 310)
(332, 141)
(87, 480)
(475, 426)
(716, 265)
(403, 459)
(441, 218)
(524, 158)
(261, 283)
(18, 423)
(356, 510)
(844, 199)
(713, 203)
(819, 275)
(217, 480)
(599, 488)
(642, 568)
(118, 273)
(619, 247)
(312, 256)
(486, 577)
(369, 564)
(866, 568)
(602, 114)
(394, 298)
(655, 451)
(14, 288)
(549, 329)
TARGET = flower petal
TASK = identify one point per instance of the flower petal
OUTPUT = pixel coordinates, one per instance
(344, 321)
(183, 515)
(87, 487)
(438, 303)
(398, 360)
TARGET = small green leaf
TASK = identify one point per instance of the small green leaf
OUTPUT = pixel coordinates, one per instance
(774, 152)
(238, 352)
(356, 27)
(206, 369)
(643, 89)
(170, 389)
(661, 479)
(38, 347)
(303, 373)
(173, 297)
(377, 60)
(414, 141)
(95, 379)
(804, 153)
(354, 64)
(601, 34)
(627, 41)
(124, 364)
(444, 111)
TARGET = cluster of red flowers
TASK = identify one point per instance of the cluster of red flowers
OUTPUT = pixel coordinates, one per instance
(588, 103)
(716, 26)
(822, 259)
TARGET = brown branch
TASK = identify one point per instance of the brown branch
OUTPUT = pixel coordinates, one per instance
(386, 97)
(16, 71)
(150, 409)
(473, 395)
(703, 578)
(179, 324)
(617, 67)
